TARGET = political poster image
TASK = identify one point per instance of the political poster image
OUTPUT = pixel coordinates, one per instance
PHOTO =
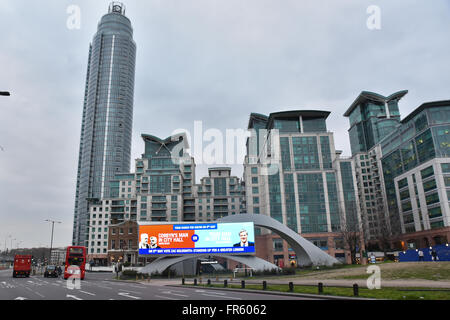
(196, 238)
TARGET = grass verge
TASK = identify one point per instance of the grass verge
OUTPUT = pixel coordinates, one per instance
(383, 293)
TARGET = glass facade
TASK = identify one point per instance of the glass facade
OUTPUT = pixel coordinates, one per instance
(373, 118)
(312, 203)
(105, 142)
(275, 197)
(314, 125)
(306, 155)
(423, 136)
(348, 188)
(289, 191)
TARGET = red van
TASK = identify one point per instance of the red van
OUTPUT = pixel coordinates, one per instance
(22, 265)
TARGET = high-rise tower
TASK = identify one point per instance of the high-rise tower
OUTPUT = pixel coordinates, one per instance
(105, 143)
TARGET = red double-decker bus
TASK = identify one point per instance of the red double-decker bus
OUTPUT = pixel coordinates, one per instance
(75, 263)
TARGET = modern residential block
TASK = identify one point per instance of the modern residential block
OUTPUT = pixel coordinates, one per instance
(105, 143)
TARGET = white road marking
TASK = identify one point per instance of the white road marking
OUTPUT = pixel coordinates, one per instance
(125, 294)
(40, 295)
(20, 298)
(92, 294)
(125, 290)
(104, 287)
(224, 297)
(165, 297)
(175, 294)
(218, 293)
(73, 297)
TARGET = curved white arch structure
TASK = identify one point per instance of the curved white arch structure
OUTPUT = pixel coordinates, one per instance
(307, 253)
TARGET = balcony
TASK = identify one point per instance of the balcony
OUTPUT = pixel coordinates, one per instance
(189, 217)
(158, 214)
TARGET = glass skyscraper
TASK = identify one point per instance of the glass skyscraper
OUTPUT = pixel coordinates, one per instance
(105, 143)
(299, 179)
(372, 117)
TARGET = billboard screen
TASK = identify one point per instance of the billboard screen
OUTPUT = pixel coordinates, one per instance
(196, 238)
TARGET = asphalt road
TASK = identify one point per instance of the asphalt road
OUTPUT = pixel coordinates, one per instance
(101, 286)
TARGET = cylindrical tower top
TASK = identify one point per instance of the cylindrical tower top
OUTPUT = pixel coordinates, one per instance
(117, 7)
(115, 21)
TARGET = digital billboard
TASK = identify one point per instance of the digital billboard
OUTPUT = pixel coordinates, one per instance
(196, 238)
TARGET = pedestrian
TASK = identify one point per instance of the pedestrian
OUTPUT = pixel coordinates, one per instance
(434, 255)
(420, 255)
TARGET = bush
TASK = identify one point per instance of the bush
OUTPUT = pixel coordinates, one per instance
(144, 276)
(266, 272)
(129, 273)
(164, 274)
(288, 271)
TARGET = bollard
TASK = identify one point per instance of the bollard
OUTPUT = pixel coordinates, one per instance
(243, 284)
(291, 286)
(320, 287)
(182, 281)
(195, 282)
(209, 282)
(264, 285)
(225, 283)
(355, 290)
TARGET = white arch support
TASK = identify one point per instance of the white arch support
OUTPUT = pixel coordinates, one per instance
(307, 253)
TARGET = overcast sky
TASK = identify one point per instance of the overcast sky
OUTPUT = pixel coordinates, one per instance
(214, 61)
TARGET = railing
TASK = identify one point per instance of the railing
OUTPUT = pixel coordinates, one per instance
(290, 285)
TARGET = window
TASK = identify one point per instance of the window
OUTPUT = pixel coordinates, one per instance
(429, 185)
(254, 170)
(445, 167)
(432, 198)
(278, 244)
(428, 172)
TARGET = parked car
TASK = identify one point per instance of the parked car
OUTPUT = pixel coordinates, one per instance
(51, 271)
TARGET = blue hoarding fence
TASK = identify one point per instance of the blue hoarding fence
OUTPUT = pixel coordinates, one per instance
(412, 255)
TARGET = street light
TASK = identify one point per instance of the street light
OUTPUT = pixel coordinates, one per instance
(6, 239)
(51, 242)
(12, 242)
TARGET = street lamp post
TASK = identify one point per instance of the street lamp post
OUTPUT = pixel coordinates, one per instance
(6, 239)
(51, 242)
(12, 243)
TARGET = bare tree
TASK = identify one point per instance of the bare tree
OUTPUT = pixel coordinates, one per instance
(352, 235)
